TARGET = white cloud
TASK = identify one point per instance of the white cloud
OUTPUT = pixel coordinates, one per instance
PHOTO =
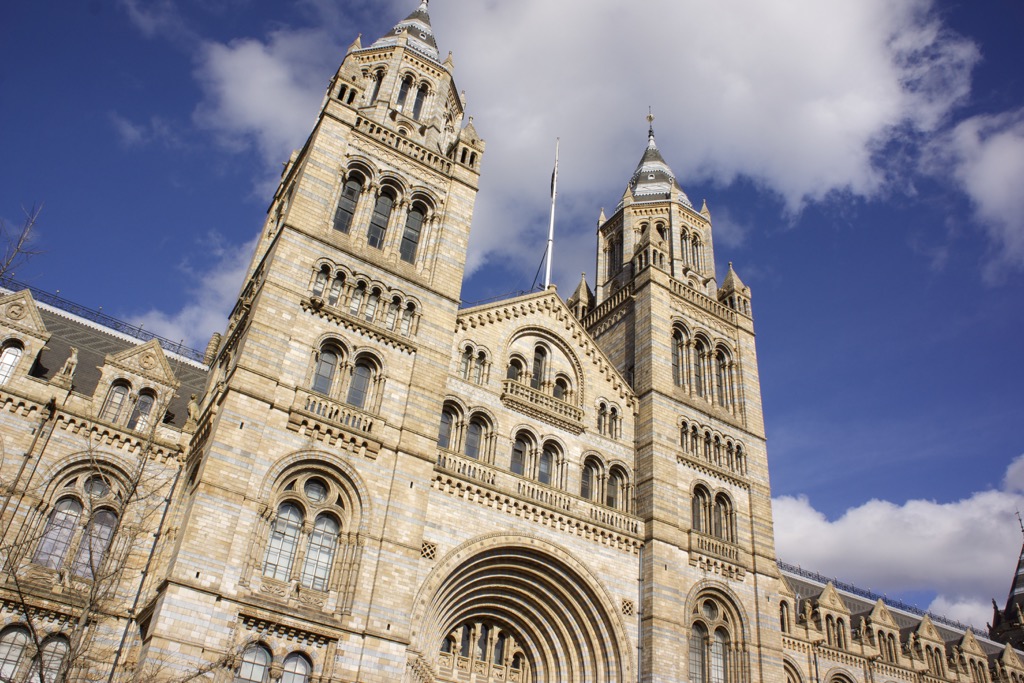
(964, 550)
(986, 154)
(209, 299)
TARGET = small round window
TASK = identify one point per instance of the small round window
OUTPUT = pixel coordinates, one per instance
(316, 491)
(710, 610)
(96, 487)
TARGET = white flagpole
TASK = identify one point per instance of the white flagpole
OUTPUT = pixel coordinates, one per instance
(551, 228)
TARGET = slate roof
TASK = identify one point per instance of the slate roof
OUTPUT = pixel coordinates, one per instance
(421, 34)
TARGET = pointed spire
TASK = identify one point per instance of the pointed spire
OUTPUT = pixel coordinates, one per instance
(602, 219)
(357, 44)
(732, 282)
(1008, 627)
(704, 210)
(653, 179)
(418, 31)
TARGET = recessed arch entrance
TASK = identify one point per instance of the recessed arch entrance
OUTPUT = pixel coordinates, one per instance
(514, 609)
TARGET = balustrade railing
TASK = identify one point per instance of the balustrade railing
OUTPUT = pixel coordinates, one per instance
(705, 302)
(715, 547)
(546, 402)
(466, 467)
(328, 410)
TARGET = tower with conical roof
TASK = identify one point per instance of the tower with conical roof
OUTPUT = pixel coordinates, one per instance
(303, 495)
(687, 348)
(1007, 624)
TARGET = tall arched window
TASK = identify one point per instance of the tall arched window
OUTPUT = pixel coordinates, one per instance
(467, 359)
(13, 642)
(784, 616)
(474, 437)
(316, 569)
(699, 354)
(94, 544)
(719, 660)
(480, 367)
(411, 234)
(540, 356)
(614, 423)
(518, 462)
(320, 281)
(326, 365)
(546, 464)
(50, 659)
(613, 494)
(9, 360)
(407, 318)
(403, 93)
(561, 389)
(350, 192)
(139, 418)
(444, 432)
(117, 399)
(296, 669)
(421, 97)
(587, 480)
(378, 78)
(678, 358)
(60, 527)
(283, 542)
(379, 219)
(721, 378)
(515, 370)
(358, 294)
(723, 519)
(701, 508)
(371, 305)
(698, 654)
(359, 389)
(255, 665)
(602, 419)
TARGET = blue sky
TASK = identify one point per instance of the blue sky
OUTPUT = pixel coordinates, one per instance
(863, 161)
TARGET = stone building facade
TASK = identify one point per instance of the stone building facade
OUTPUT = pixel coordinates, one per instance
(361, 481)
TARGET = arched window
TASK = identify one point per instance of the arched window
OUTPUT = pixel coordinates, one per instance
(117, 398)
(350, 192)
(602, 419)
(50, 659)
(614, 423)
(359, 389)
(697, 258)
(587, 480)
(357, 299)
(474, 437)
(320, 281)
(139, 418)
(840, 634)
(421, 97)
(316, 570)
(378, 78)
(283, 542)
(326, 366)
(701, 508)
(411, 234)
(94, 544)
(518, 462)
(12, 651)
(721, 378)
(699, 354)
(479, 369)
(60, 527)
(616, 481)
(255, 665)
(698, 654)
(371, 305)
(379, 220)
(678, 358)
(296, 669)
(515, 370)
(8, 360)
(540, 356)
(407, 317)
(719, 660)
(723, 518)
(546, 464)
(392, 314)
(467, 359)
(830, 631)
(403, 93)
(784, 616)
(444, 432)
(561, 390)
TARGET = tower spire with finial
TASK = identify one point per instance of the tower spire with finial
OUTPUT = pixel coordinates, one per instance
(650, 127)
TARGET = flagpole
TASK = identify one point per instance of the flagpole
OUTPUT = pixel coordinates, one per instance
(551, 227)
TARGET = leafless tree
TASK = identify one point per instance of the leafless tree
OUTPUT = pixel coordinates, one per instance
(16, 242)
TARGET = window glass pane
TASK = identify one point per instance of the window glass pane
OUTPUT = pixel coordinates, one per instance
(421, 96)
(379, 221)
(473, 436)
(411, 235)
(539, 357)
(254, 666)
(296, 669)
(335, 293)
(12, 650)
(613, 491)
(57, 536)
(444, 433)
(284, 536)
(94, 544)
(357, 299)
(317, 570)
(324, 375)
(518, 456)
(114, 403)
(371, 305)
(140, 414)
(315, 490)
(357, 391)
(407, 319)
(587, 484)
(547, 459)
(8, 359)
(718, 660)
(698, 662)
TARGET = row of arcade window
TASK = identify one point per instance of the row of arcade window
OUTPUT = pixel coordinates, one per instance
(401, 103)
(121, 405)
(20, 662)
(354, 189)
(474, 365)
(605, 486)
(713, 515)
(609, 421)
(537, 374)
(693, 251)
(365, 300)
(79, 528)
(699, 443)
(484, 642)
(703, 372)
(256, 661)
(360, 379)
(294, 545)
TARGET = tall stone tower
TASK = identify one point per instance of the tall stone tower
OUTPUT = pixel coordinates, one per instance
(305, 489)
(702, 491)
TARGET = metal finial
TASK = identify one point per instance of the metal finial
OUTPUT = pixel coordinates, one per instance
(1021, 522)
(650, 126)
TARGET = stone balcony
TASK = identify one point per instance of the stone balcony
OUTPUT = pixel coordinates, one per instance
(526, 399)
(340, 424)
(715, 554)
